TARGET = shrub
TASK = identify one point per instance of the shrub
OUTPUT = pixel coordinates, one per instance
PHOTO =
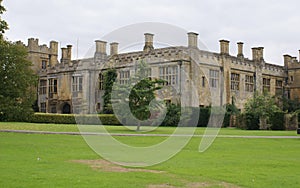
(241, 121)
(106, 119)
(277, 121)
(173, 115)
(252, 121)
(226, 121)
(204, 116)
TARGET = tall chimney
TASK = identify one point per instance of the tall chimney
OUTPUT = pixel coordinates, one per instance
(69, 51)
(64, 55)
(299, 55)
(193, 40)
(101, 47)
(114, 48)
(224, 47)
(255, 54)
(54, 53)
(258, 54)
(261, 53)
(54, 47)
(100, 54)
(287, 60)
(148, 42)
(240, 49)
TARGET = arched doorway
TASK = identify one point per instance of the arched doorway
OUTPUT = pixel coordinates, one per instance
(66, 109)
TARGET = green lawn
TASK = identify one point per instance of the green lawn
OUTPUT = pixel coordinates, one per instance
(33, 160)
(121, 129)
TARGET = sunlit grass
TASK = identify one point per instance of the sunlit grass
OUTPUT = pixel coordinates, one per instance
(34, 160)
(131, 130)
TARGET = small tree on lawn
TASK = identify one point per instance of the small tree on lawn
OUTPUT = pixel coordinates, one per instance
(263, 106)
(139, 93)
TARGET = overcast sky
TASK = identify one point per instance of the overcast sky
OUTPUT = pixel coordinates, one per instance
(272, 24)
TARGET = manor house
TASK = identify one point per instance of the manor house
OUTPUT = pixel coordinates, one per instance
(216, 78)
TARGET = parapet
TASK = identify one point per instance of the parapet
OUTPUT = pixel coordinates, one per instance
(33, 46)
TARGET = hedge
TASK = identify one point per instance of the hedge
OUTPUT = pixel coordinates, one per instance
(194, 116)
(277, 121)
(247, 121)
(251, 121)
(106, 119)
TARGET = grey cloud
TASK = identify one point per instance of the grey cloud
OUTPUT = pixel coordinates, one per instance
(272, 24)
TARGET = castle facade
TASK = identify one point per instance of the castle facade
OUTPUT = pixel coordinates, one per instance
(217, 78)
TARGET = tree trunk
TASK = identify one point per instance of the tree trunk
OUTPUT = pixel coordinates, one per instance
(138, 126)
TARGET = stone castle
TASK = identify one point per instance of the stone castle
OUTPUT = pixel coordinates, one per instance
(218, 78)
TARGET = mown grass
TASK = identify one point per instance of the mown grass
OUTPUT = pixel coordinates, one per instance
(28, 160)
(122, 129)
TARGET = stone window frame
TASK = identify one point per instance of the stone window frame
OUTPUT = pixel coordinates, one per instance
(101, 81)
(43, 87)
(124, 76)
(44, 64)
(278, 87)
(43, 107)
(249, 83)
(235, 81)
(267, 84)
(169, 74)
(52, 87)
(214, 78)
(77, 83)
(203, 81)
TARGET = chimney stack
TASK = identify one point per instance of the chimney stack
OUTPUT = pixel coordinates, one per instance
(258, 54)
(148, 42)
(299, 55)
(114, 48)
(224, 47)
(64, 55)
(287, 60)
(54, 47)
(100, 53)
(69, 52)
(54, 53)
(101, 47)
(193, 40)
(240, 49)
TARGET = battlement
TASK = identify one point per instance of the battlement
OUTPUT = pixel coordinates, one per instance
(34, 47)
(164, 54)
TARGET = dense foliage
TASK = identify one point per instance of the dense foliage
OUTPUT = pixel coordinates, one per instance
(3, 23)
(139, 94)
(109, 79)
(106, 119)
(17, 90)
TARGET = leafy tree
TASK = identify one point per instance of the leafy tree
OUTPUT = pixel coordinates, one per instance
(290, 105)
(231, 108)
(139, 94)
(17, 91)
(263, 106)
(3, 24)
(109, 79)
